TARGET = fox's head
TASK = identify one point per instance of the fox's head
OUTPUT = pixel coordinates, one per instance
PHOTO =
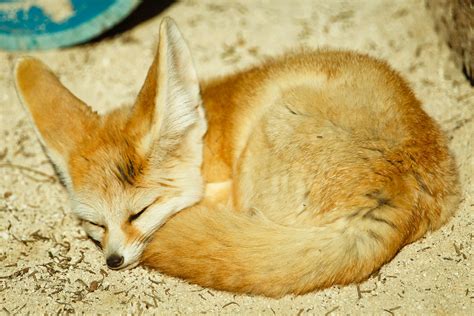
(129, 170)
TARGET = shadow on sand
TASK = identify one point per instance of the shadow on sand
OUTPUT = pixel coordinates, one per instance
(146, 10)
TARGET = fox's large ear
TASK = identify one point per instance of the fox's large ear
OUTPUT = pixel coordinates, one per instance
(169, 102)
(61, 119)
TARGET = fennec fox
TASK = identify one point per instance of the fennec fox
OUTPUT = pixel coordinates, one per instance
(308, 170)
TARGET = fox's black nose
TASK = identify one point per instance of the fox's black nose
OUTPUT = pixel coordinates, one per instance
(114, 261)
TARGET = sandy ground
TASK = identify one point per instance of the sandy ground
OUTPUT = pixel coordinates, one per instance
(48, 266)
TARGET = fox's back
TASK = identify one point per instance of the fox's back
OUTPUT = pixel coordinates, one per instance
(354, 93)
(316, 131)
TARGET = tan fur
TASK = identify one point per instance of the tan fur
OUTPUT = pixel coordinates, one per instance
(319, 166)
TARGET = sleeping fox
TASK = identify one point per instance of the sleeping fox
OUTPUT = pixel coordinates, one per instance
(305, 171)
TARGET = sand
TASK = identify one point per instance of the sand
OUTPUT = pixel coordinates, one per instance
(48, 266)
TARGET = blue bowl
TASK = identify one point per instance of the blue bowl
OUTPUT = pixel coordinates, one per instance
(26, 25)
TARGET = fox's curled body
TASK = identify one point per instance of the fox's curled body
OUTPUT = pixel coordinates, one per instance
(317, 168)
(334, 167)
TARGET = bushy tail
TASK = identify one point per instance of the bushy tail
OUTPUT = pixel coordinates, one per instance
(243, 252)
(246, 252)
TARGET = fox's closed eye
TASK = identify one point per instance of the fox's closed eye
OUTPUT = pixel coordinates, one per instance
(137, 215)
(95, 224)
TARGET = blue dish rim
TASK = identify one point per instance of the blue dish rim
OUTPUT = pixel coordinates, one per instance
(89, 29)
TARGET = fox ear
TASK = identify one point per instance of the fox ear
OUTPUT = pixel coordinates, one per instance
(61, 119)
(169, 102)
